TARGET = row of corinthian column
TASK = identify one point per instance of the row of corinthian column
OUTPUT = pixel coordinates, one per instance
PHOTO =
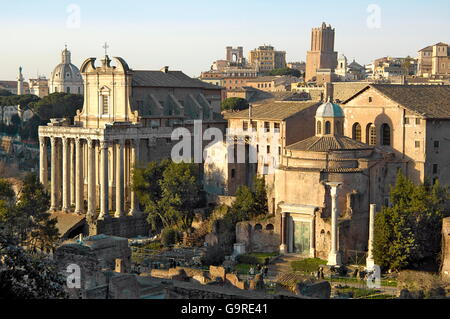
(68, 178)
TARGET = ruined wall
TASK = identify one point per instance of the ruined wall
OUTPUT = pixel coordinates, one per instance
(108, 248)
(259, 236)
(127, 227)
(75, 255)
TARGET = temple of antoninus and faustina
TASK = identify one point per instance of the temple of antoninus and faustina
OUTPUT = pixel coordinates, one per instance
(127, 119)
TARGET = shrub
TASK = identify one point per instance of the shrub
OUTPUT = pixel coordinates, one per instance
(235, 104)
(170, 236)
(214, 256)
(307, 265)
(247, 259)
(409, 231)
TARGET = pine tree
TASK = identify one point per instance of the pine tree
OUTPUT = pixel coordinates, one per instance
(409, 231)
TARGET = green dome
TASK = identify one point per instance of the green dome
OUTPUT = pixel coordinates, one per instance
(329, 109)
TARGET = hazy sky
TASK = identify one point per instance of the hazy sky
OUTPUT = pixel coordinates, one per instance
(189, 35)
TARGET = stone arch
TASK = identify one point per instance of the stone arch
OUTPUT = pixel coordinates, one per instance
(327, 127)
(356, 132)
(338, 127)
(270, 227)
(258, 227)
(385, 134)
(371, 134)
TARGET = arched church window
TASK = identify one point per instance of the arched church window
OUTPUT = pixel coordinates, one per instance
(338, 128)
(356, 132)
(68, 90)
(327, 127)
(386, 134)
(319, 127)
(371, 134)
(104, 100)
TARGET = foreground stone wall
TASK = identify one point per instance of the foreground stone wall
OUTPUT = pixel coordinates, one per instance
(128, 226)
(446, 249)
(95, 258)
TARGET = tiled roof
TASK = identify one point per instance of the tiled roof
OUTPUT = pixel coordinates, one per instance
(263, 79)
(328, 143)
(272, 110)
(8, 84)
(170, 79)
(319, 169)
(428, 48)
(345, 90)
(431, 101)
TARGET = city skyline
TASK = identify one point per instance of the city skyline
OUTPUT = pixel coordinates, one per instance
(190, 36)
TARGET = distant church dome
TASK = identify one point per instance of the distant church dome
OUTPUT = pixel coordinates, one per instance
(329, 109)
(66, 77)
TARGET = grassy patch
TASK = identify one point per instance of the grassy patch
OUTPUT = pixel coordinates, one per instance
(384, 282)
(307, 265)
(243, 269)
(389, 282)
(139, 254)
(255, 258)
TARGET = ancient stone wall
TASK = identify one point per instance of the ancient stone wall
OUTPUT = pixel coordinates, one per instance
(128, 227)
(109, 248)
(73, 257)
(259, 236)
(217, 272)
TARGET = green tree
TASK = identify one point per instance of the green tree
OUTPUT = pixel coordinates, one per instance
(29, 129)
(28, 220)
(27, 276)
(260, 193)
(285, 71)
(250, 203)
(57, 105)
(169, 192)
(4, 92)
(409, 231)
(234, 104)
(24, 274)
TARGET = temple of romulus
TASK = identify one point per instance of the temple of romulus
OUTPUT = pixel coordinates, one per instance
(127, 120)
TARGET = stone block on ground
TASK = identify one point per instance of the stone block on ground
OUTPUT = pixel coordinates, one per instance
(217, 271)
(257, 283)
(320, 290)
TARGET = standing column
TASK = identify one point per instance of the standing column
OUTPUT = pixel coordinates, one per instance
(312, 237)
(283, 247)
(54, 188)
(119, 179)
(65, 176)
(79, 185)
(91, 179)
(134, 210)
(104, 207)
(43, 168)
(369, 261)
(72, 171)
(334, 257)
